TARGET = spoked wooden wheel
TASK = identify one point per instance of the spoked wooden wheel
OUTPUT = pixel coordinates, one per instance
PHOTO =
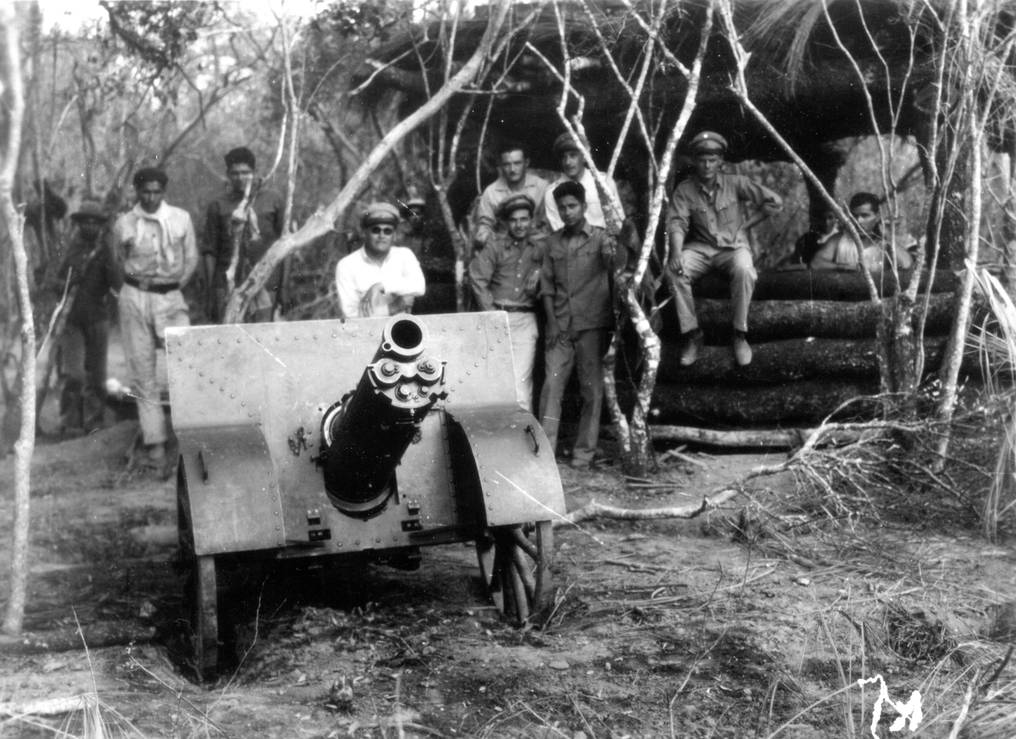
(515, 567)
(204, 616)
(201, 595)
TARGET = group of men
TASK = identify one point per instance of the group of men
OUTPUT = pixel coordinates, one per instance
(541, 250)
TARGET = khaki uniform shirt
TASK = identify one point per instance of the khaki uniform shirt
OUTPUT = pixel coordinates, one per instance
(578, 273)
(715, 216)
(501, 272)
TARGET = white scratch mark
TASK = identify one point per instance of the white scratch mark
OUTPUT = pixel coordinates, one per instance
(265, 348)
(543, 505)
(910, 713)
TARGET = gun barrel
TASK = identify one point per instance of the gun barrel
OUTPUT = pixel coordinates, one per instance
(365, 435)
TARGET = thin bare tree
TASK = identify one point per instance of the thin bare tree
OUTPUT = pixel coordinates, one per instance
(324, 220)
(11, 116)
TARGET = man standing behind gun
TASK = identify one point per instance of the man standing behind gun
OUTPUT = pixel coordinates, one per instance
(379, 278)
(155, 244)
(505, 276)
(240, 225)
(575, 287)
(708, 231)
(514, 179)
(91, 274)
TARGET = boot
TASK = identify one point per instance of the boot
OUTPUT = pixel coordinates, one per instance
(742, 350)
(690, 346)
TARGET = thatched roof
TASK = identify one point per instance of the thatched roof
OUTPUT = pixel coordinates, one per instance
(798, 74)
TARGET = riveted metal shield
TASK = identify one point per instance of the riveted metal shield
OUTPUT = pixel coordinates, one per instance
(514, 463)
(276, 380)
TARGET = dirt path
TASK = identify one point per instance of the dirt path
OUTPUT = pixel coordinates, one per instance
(670, 628)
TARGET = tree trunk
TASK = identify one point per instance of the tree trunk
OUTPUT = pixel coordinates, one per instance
(786, 319)
(14, 102)
(324, 220)
(739, 439)
(807, 401)
(818, 285)
(778, 362)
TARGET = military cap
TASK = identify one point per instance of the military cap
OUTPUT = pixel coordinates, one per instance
(150, 174)
(90, 210)
(376, 213)
(240, 155)
(416, 201)
(515, 202)
(565, 142)
(708, 142)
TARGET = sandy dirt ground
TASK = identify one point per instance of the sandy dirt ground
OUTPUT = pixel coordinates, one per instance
(683, 628)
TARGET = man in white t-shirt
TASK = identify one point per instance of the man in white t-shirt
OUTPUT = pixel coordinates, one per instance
(379, 278)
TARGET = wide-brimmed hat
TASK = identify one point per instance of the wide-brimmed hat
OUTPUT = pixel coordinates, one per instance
(90, 210)
(376, 213)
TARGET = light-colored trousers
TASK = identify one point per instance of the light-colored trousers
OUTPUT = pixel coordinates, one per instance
(697, 259)
(524, 334)
(583, 350)
(144, 318)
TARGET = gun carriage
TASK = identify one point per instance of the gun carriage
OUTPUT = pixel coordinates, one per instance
(309, 440)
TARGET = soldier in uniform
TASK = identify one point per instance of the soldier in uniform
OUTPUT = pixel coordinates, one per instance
(379, 278)
(575, 288)
(90, 276)
(241, 235)
(155, 246)
(708, 231)
(505, 276)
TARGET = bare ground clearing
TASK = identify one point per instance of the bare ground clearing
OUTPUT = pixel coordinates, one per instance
(665, 628)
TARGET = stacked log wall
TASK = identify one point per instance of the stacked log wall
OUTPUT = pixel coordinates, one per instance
(813, 339)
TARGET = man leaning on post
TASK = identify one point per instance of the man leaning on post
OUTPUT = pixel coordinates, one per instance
(575, 287)
(505, 276)
(154, 242)
(708, 231)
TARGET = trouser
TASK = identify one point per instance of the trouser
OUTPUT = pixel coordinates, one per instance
(144, 318)
(583, 350)
(697, 259)
(82, 370)
(524, 334)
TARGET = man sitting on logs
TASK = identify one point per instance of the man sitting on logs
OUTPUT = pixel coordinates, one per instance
(808, 244)
(506, 276)
(708, 230)
(841, 252)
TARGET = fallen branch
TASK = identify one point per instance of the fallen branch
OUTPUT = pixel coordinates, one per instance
(770, 438)
(824, 433)
(96, 636)
(44, 706)
(592, 509)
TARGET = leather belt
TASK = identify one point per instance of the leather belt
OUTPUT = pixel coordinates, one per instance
(147, 286)
(515, 308)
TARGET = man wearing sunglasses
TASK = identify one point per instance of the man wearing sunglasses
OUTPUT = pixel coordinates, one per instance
(379, 278)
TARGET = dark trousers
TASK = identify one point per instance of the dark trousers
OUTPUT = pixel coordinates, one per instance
(83, 349)
(584, 351)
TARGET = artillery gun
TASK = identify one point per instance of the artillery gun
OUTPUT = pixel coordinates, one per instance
(310, 440)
